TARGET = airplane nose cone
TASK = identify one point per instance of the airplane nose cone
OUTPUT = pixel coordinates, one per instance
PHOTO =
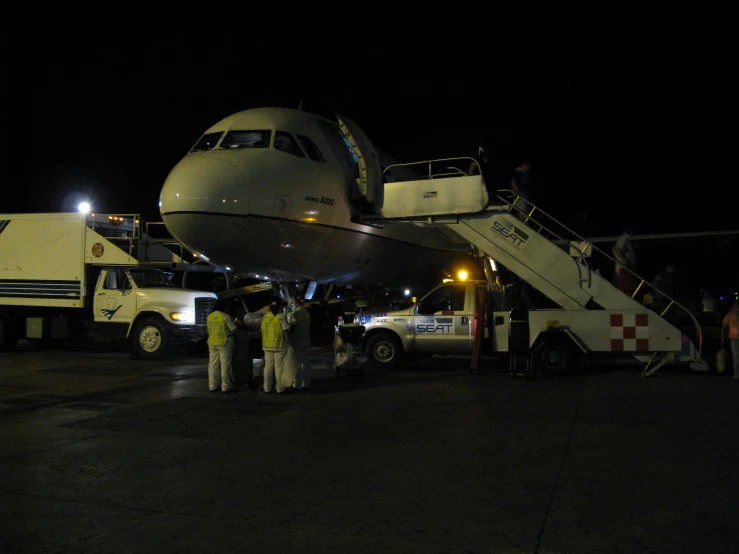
(201, 183)
(199, 186)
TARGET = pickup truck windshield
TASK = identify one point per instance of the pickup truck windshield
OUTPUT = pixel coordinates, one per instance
(445, 298)
(150, 278)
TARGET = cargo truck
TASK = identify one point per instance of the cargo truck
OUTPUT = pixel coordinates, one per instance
(65, 274)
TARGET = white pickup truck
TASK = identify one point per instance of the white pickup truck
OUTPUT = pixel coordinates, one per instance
(442, 322)
(554, 340)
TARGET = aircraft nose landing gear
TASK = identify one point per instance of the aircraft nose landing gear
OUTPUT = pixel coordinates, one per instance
(348, 354)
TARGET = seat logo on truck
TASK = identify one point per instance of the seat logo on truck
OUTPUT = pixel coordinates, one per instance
(97, 249)
(512, 233)
(437, 326)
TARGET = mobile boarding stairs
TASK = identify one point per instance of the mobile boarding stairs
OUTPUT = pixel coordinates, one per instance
(547, 255)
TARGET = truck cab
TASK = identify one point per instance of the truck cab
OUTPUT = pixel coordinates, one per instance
(142, 305)
(443, 321)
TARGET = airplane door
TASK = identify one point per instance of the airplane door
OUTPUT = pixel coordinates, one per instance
(115, 300)
(370, 170)
(443, 323)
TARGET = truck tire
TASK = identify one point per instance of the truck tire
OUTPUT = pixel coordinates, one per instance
(150, 338)
(558, 356)
(384, 350)
(554, 358)
(8, 334)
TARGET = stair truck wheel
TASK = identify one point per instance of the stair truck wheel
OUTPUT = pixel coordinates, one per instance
(384, 350)
(150, 339)
(557, 355)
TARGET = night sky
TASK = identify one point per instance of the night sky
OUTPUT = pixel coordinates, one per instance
(630, 130)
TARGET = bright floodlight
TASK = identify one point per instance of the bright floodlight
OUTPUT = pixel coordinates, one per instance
(462, 275)
(84, 207)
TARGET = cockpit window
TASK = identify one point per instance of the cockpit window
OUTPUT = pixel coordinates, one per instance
(285, 142)
(246, 139)
(314, 153)
(207, 142)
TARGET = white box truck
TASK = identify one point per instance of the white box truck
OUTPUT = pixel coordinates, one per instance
(60, 276)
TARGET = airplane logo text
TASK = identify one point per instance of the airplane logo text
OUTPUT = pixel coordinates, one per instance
(323, 200)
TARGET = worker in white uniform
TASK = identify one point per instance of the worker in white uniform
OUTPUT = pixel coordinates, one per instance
(300, 341)
(625, 254)
(221, 346)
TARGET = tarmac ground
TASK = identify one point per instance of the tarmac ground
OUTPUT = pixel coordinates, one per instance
(101, 453)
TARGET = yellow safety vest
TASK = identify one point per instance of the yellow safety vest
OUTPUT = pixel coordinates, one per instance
(273, 336)
(217, 333)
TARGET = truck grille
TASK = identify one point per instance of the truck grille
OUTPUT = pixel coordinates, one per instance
(203, 307)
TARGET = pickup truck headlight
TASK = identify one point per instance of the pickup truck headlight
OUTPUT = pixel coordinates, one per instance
(184, 317)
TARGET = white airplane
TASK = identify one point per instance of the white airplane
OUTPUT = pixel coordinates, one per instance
(274, 193)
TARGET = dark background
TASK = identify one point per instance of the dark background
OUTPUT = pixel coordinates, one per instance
(634, 128)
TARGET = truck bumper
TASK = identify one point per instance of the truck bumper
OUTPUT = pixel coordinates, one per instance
(189, 333)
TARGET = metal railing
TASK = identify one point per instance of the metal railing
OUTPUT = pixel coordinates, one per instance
(124, 230)
(168, 241)
(107, 225)
(535, 218)
(429, 172)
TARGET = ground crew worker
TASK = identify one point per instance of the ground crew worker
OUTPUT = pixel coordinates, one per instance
(274, 344)
(625, 254)
(664, 282)
(300, 341)
(521, 186)
(482, 167)
(221, 346)
(731, 322)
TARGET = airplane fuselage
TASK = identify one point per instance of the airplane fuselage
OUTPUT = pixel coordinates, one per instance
(249, 198)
